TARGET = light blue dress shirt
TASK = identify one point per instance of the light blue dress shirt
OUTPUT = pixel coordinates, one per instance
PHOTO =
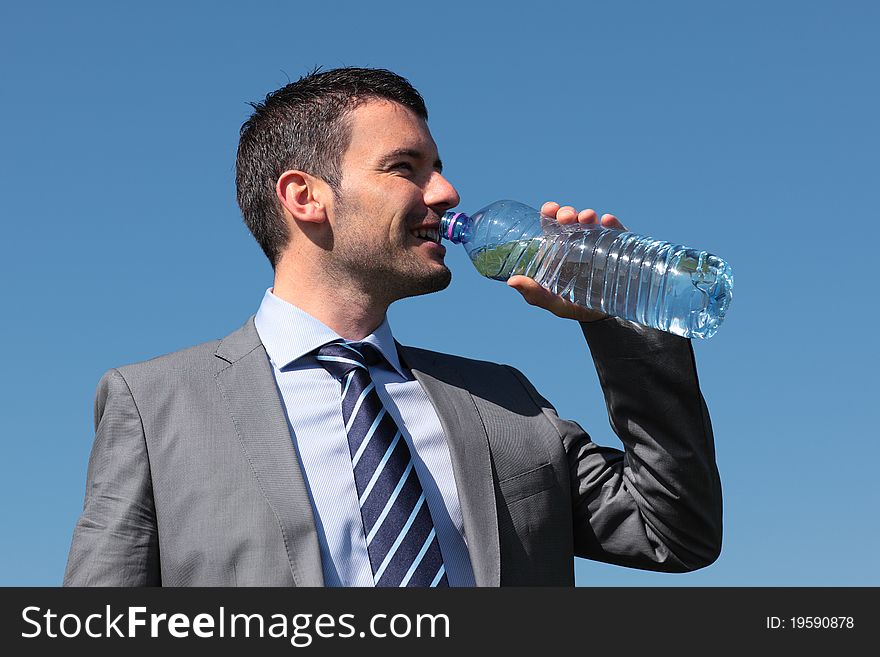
(312, 400)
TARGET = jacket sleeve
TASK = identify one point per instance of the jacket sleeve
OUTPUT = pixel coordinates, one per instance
(657, 504)
(115, 541)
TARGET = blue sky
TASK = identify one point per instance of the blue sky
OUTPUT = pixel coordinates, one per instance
(749, 129)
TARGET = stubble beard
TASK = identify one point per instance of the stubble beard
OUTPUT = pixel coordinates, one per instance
(386, 272)
(390, 281)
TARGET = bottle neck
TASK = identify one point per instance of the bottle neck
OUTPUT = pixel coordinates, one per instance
(455, 227)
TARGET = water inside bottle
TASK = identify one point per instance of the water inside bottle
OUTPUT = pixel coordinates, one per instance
(502, 261)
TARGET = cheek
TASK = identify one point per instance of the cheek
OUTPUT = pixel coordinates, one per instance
(384, 211)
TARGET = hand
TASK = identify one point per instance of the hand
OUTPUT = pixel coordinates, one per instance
(541, 296)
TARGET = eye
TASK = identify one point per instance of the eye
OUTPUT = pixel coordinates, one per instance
(403, 166)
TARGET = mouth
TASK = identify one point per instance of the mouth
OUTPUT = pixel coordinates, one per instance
(429, 233)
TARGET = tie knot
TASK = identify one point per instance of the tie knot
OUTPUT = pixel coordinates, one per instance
(340, 358)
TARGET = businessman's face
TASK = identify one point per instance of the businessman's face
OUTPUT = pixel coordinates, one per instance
(389, 204)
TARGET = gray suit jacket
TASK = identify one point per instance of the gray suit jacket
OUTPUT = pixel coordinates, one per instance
(193, 479)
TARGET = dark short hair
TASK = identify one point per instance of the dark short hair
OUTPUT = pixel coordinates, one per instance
(303, 126)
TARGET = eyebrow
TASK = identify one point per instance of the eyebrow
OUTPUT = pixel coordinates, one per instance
(407, 152)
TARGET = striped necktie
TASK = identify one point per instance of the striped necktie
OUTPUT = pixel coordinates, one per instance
(401, 539)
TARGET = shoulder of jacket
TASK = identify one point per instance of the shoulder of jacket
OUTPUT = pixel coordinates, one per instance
(210, 356)
(183, 363)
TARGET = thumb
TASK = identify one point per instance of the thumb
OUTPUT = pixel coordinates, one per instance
(534, 294)
(538, 295)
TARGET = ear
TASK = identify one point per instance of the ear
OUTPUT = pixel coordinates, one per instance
(303, 196)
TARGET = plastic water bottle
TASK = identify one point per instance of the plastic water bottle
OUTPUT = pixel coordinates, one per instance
(665, 286)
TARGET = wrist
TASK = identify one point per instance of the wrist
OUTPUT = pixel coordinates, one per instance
(592, 316)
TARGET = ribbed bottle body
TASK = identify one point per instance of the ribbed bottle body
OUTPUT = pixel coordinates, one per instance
(666, 286)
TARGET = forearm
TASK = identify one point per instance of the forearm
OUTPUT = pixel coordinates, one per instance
(652, 392)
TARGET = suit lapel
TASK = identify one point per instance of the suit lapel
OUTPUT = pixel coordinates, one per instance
(250, 391)
(469, 449)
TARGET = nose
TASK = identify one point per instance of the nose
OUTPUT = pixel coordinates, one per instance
(440, 193)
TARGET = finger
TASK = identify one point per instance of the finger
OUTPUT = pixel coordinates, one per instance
(588, 216)
(566, 215)
(550, 208)
(610, 221)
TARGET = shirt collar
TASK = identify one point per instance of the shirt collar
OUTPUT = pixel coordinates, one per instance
(288, 333)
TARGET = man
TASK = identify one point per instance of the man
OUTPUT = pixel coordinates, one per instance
(308, 448)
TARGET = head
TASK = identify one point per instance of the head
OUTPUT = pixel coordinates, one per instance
(385, 218)
(329, 135)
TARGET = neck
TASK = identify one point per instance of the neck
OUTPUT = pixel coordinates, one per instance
(349, 311)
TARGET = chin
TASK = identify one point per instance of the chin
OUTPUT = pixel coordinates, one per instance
(428, 283)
